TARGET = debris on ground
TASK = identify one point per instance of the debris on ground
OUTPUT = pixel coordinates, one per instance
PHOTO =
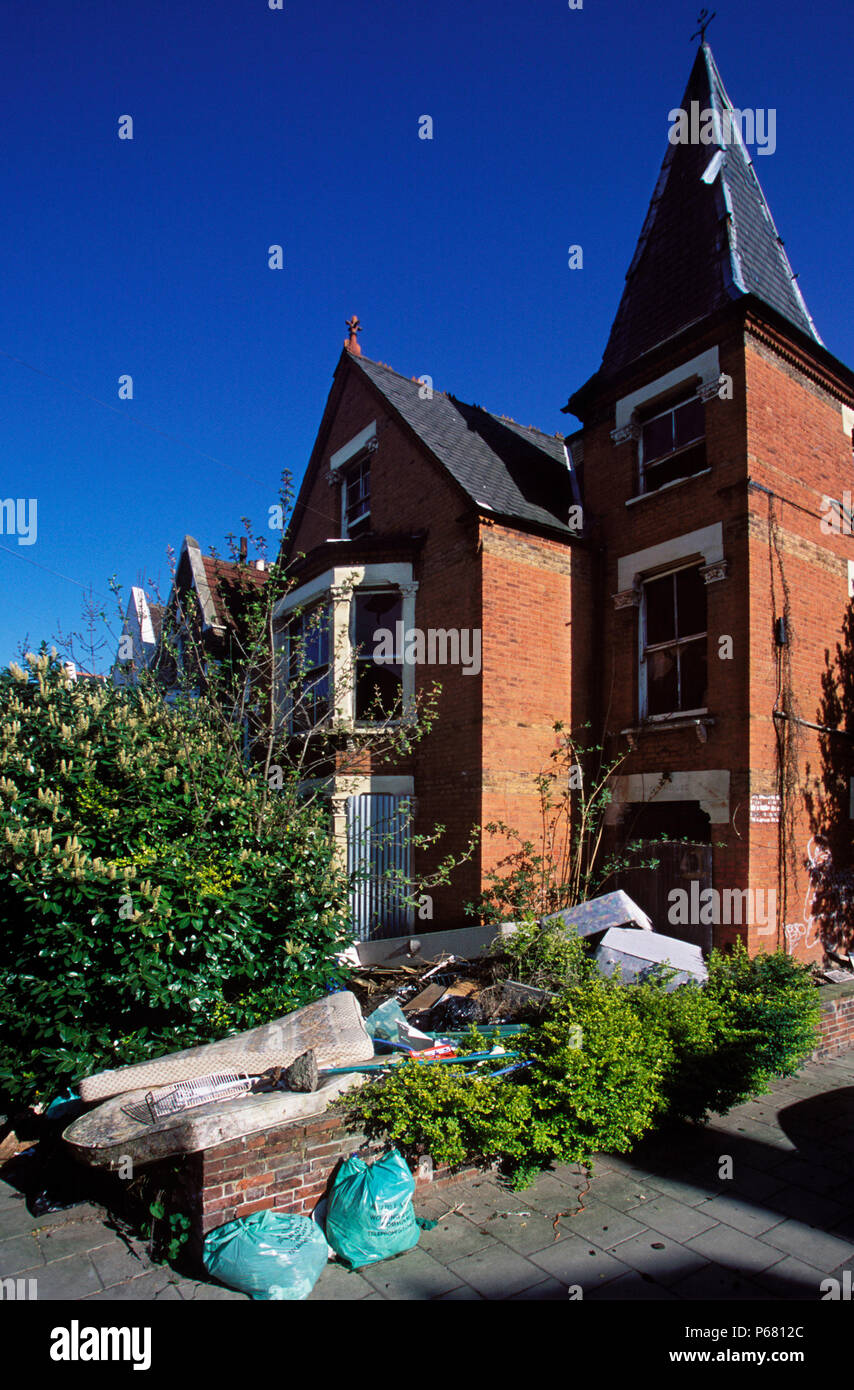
(594, 917)
(437, 995)
(452, 992)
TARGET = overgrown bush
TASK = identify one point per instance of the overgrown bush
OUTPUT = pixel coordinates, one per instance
(546, 957)
(756, 1019)
(596, 1074)
(772, 998)
(594, 1082)
(145, 904)
(442, 1111)
(708, 1067)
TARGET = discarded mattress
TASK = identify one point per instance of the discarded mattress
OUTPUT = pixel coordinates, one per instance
(636, 953)
(107, 1137)
(333, 1027)
(598, 915)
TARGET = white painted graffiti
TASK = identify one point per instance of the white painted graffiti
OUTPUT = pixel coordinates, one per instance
(831, 890)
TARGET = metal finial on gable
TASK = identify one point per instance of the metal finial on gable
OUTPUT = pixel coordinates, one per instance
(352, 344)
(704, 19)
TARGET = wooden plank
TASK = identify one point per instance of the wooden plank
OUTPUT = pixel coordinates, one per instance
(425, 1000)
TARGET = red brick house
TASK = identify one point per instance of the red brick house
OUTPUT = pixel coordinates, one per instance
(449, 519)
(202, 619)
(691, 610)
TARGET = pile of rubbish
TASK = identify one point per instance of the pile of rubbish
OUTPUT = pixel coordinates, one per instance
(400, 1008)
(453, 992)
(450, 992)
(367, 1218)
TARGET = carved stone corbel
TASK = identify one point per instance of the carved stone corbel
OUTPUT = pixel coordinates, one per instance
(626, 432)
(628, 598)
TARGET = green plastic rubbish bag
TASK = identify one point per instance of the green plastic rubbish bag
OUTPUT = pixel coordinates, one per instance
(370, 1216)
(270, 1254)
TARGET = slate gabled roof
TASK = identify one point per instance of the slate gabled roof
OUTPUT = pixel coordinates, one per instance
(514, 470)
(703, 244)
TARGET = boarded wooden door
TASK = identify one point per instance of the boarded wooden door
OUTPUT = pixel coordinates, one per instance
(679, 866)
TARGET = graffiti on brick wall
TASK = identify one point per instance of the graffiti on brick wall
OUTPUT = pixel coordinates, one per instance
(828, 904)
(764, 810)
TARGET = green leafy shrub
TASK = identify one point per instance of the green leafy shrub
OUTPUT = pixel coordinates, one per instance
(441, 1111)
(548, 957)
(596, 1074)
(756, 1019)
(708, 1050)
(145, 904)
(772, 998)
(594, 1083)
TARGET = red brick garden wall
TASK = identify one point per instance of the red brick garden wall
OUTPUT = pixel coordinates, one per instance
(286, 1168)
(837, 1021)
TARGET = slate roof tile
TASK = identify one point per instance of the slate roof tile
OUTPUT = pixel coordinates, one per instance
(515, 470)
(702, 243)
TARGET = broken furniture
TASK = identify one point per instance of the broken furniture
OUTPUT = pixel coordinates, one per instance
(637, 954)
(333, 1028)
(598, 915)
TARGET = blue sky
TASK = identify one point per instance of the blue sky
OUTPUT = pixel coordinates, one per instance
(299, 127)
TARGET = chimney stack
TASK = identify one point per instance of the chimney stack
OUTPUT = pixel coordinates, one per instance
(244, 549)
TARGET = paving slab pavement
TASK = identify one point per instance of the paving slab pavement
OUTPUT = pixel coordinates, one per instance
(659, 1223)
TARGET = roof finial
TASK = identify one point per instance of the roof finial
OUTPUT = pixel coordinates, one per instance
(704, 19)
(352, 345)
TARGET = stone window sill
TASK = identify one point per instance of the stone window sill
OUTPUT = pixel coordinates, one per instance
(700, 723)
(677, 482)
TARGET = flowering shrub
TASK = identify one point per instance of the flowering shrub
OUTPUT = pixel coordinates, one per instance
(145, 905)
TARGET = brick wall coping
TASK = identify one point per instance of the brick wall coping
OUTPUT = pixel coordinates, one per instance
(827, 993)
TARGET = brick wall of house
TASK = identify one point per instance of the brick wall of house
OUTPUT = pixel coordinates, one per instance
(537, 641)
(783, 429)
(556, 647)
(798, 450)
(530, 595)
(410, 492)
(718, 495)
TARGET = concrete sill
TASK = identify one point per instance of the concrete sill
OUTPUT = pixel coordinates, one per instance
(677, 482)
(696, 722)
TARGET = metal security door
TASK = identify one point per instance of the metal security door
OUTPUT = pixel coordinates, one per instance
(379, 855)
